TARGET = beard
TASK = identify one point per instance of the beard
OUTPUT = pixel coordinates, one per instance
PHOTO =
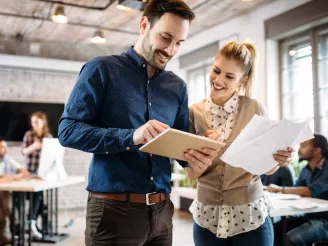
(149, 53)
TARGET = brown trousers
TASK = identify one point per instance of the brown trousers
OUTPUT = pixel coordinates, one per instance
(118, 223)
(4, 211)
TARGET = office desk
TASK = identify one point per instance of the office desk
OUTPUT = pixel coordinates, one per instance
(286, 207)
(25, 188)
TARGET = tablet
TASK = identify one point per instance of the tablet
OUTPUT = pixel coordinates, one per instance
(173, 143)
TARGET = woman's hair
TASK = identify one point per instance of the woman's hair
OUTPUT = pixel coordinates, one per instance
(43, 117)
(245, 54)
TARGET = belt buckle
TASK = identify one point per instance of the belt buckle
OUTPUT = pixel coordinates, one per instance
(147, 198)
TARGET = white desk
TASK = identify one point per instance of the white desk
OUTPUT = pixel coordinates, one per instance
(35, 185)
(286, 207)
(22, 189)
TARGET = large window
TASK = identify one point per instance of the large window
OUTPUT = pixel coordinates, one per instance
(323, 80)
(304, 76)
(198, 83)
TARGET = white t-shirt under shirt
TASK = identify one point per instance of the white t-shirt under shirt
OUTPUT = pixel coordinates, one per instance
(8, 165)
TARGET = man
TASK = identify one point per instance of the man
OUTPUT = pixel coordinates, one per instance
(284, 176)
(312, 182)
(10, 171)
(118, 104)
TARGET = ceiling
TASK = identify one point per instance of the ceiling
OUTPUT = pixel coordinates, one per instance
(31, 19)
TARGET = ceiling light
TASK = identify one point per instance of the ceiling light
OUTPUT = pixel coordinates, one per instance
(122, 7)
(128, 5)
(246, 0)
(98, 38)
(59, 15)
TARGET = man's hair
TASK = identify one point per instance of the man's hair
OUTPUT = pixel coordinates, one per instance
(320, 141)
(2, 140)
(156, 8)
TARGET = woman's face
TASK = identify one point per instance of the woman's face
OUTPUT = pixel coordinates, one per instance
(37, 123)
(226, 76)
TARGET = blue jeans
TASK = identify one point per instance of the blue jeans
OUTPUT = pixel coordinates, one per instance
(262, 236)
(302, 230)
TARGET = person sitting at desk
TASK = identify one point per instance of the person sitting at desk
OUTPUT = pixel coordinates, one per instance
(312, 182)
(284, 176)
(10, 170)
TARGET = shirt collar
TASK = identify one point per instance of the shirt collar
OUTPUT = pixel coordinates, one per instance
(139, 61)
(228, 107)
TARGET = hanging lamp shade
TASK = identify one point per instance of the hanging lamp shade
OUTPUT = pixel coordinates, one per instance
(59, 15)
(98, 37)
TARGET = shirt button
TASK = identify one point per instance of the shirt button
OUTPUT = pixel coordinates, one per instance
(127, 148)
(151, 154)
(149, 104)
(106, 152)
(151, 178)
(144, 65)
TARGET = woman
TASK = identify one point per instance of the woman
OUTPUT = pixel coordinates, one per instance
(32, 145)
(231, 208)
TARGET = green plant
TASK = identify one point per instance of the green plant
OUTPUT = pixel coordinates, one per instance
(186, 182)
(298, 166)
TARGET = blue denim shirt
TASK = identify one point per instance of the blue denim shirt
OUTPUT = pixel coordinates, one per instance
(316, 181)
(111, 98)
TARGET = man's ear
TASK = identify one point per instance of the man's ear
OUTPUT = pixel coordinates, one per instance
(143, 25)
(317, 150)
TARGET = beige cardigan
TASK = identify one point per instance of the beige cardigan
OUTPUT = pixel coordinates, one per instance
(222, 183)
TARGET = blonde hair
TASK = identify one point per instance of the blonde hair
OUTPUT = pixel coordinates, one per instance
(42, 116)
(245, 54)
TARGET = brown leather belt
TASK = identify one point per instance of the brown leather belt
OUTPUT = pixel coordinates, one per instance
(149, 198)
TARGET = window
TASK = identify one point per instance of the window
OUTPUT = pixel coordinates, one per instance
(198, 83)
(304, 79)
(323, 80)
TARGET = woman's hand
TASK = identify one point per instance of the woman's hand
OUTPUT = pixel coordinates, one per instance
(215, 135)
(283, 157)
(37, 145)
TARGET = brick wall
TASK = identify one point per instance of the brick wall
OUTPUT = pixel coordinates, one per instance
(17, 84)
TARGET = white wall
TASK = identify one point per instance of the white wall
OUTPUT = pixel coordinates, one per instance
(249, 26)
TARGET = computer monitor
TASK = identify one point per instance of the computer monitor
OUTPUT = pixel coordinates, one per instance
(51, 165)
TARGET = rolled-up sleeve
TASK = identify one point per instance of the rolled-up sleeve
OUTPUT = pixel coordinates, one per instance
(76, 126)
(319, 187)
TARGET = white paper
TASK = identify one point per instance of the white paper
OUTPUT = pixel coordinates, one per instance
(282, 196)
(306, 205)
(252, 150)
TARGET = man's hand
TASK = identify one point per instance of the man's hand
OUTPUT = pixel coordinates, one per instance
(199, 161)
(283, 157)
(274, 188)
(148, 131)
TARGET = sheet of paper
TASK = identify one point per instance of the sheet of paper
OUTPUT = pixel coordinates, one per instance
(252, 150)
(306, 205)
(281, 196)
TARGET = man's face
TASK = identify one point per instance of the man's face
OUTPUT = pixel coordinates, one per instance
(306, 151)
(3, 149)
(161, 41)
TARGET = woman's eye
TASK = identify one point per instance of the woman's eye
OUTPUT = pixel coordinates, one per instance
(216, 71)
(165, 38)
(229, 77)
